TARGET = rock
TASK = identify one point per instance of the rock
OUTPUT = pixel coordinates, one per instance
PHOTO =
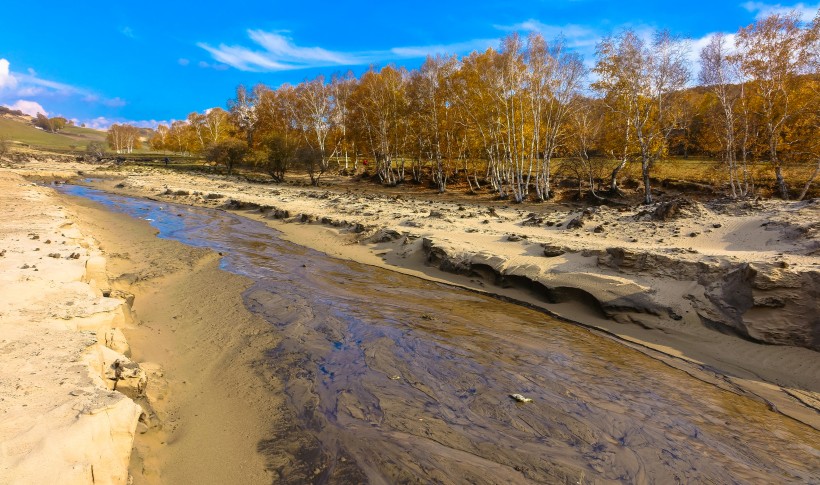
(280, 214)
(533, 220)
(669, 210)
(552, 251)
(514, 238)
(122, 374)
(386, 235)
(115, 340)
(123, 295)
(598, 229)
(578, 222)
(520, 398)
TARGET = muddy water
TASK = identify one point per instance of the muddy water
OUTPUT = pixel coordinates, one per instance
(391, 379)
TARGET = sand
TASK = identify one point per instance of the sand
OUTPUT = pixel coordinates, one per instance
(656, 285)
(199, 344)
(674, 306)
(60, 420)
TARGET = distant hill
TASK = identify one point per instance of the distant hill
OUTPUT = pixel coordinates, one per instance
(19, 130)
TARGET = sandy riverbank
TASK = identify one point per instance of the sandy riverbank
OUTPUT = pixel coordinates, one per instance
(652, 294)
(693, 286)
(60, 336)
(193, 409)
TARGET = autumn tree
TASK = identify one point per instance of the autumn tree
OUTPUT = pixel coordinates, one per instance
(197, 130)
(773, 54)
(159, 139)
(719, 72)
(812, 89)
(216, 125)
(431, 107)
(229, 152)
(554, 82)
(123, 138)
(312, 112)
(52, 125)
(243, 111)
(639, 82)
(180, 137)
(587, 123)
(379, 105)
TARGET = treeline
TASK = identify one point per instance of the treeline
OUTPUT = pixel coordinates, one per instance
(510, 118)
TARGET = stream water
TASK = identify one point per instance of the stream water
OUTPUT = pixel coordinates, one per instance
(393, 379)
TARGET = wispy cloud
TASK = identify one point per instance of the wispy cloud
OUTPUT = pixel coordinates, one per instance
(128, 32)
(275, 51)
(806, 11)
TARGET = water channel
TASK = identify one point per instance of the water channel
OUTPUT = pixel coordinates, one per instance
(393, 379)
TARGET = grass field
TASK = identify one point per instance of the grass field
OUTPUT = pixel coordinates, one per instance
(72, 137)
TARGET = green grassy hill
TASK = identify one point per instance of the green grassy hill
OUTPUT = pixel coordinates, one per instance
(72, 137)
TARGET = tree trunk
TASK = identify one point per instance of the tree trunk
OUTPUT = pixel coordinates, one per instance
(810, 181)
(647, 190)
(781, 182)
(613, 180)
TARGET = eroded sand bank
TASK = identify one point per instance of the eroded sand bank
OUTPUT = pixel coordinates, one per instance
(60, 337)
(210, 404)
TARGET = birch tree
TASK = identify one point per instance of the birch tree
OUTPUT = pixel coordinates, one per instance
(719, 73)
(773, 54)
(639, 81)
(313, 112)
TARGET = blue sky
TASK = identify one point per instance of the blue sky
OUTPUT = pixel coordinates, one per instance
(148, 62)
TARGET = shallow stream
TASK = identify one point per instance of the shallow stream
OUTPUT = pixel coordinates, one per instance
(393, 379)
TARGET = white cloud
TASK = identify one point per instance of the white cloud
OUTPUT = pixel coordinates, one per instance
(30, 108)
(16, 85)
(278, 53)
(103, 123)
(806, 11)
(275, 51)
(7, 80)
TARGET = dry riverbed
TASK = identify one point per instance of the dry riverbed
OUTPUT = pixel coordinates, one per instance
(681, 282)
